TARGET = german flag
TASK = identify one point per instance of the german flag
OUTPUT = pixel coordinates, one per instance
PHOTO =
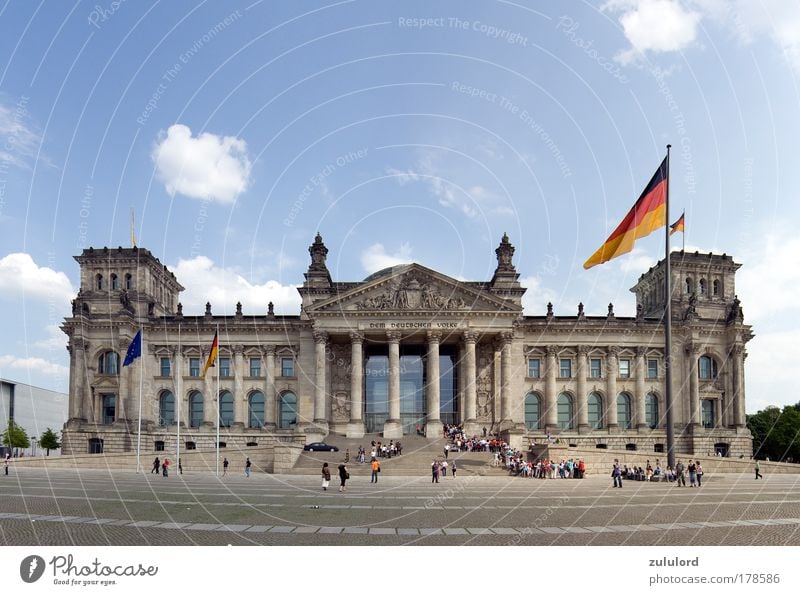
(678, 225)
(646, 216)
(212, 356)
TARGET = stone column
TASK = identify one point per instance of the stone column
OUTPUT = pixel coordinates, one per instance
(470, 392)
(321, 340)
(393, 428)
(640, 419)
(240, 408)
(693, 353)
(582, 398)
(75, 392)
(433, 423)
(124, 381)
(355, 429)
(612, 370)
(177, 384)
(550, 397)
(270, 406)
(209, 390)
(739, 355)
(505, 372)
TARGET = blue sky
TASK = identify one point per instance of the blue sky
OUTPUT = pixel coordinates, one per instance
(411, 131)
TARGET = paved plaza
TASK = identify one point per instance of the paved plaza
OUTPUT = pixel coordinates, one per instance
(66, 507)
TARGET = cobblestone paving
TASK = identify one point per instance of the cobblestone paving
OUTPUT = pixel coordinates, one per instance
(121, 508)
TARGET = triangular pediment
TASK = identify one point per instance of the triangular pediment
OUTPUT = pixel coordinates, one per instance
(412, 288)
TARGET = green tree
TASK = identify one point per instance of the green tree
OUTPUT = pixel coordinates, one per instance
(49, 440)
(776, 433)
(15, 437)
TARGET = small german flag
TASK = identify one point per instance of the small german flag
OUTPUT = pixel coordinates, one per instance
(646, 216)
(212, 356)
(678, 225)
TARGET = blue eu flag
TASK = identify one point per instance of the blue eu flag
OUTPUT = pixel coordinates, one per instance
(134, 349)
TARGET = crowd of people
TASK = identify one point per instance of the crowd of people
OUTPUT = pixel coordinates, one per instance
(649, 472)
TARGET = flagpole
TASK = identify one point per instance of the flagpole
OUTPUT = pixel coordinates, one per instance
(217, 400)
(139, 422)
(683, 235)
(668, 335)
(178, 397)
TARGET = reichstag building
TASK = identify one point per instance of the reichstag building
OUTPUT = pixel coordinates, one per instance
(404, 351)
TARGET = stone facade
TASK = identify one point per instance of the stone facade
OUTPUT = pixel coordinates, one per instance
(402, 351)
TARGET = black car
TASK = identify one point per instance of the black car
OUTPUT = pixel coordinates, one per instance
(320, 446)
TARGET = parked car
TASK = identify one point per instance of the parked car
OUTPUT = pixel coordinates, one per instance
(320, 446)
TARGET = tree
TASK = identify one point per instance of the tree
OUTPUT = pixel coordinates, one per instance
(49, 440)
(15, 437)
(776, 433)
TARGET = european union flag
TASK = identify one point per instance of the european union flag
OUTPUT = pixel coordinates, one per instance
(134, 349)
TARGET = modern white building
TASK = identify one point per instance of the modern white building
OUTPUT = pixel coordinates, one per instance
(32, 408)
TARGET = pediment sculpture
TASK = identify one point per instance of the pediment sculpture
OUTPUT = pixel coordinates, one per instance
(410, 294)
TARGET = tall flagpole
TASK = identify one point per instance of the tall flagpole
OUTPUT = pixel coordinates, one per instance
(217, 400)
(178, 397)
(668, 336)
(139, 423)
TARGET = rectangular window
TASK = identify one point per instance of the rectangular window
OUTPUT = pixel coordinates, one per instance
(165, 368)
(708, 413)
(194, 366)
(565, 369)
(224, 367)
(652, 368)
(596, 368)
(624, 368)
(287, 367)
(533, 368)
(255, 367)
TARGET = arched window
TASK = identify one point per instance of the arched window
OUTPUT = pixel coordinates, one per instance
(98, 281)
(225, 409)
(114, 281)
(595, 411)
(651, 410)
(707, 368)
(108, 363)
(532, 411)
(689, 286)
(715, 288)
(624, 411)
(256, 407)
(195, 409)
(702, 286)
(128, 281)
(166, 409)
(288, 410)
(565, 411)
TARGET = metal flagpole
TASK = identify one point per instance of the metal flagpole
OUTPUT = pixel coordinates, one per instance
(217, 400)
(178, 397)
(668, 336)
(139, 430)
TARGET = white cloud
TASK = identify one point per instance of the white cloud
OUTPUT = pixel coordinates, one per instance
(21, 140)
(655, 25)
(21, 278)
(777, 19)
(205, 167)
(376, 258)
(223, 287)
(56, 339)
(31, 364)
(534, 302)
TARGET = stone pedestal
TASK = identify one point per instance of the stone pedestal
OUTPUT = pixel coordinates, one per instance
(355, 430)
(392, 429)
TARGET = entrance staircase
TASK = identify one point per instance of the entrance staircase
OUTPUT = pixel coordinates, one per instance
(418, 453)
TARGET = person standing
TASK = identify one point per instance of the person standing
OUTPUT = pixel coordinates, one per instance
(376, 468)
(165, 468)
(454, 469)
(435, 472)
(156, 467)
(225, 464)
(347, 456)
(758, 473)
(446, 450)
(326, 477)
(444, 468)
(6, 461)
(692, 468)
(616, 473)
(679, 474)
(699, 474)
(343, 477)
(247, 465)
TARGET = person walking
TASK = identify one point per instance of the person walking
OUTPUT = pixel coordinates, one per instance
(247, 465)
(156, 467)
(692, 468)
(616, 473)
(444, 468)
(435, 472)
(446, 450)
(326, 477)
(758, 473)
(180, 467)
(7, 460)
(454, 469)
(347, 456)
(343, 477)
(225, 464)
(376, 468)
(699, 474)
(165, 468)
(679, 474)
